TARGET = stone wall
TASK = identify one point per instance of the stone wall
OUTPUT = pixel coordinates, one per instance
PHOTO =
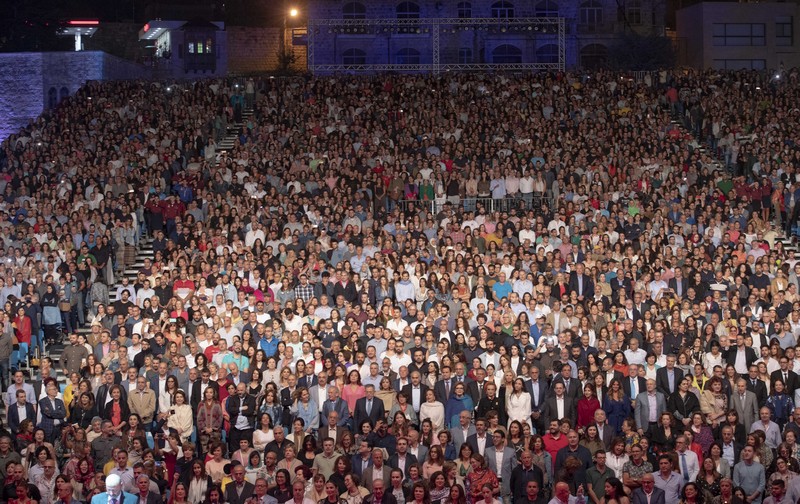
(254, 50)
(28, 81)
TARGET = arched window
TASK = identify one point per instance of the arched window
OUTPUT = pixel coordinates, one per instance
(63, 94)
(407, 10)
(594, 56)
(354, 10)
(52, 98)
(465, 55)
(591, 15)
(507, 53)
(407, 56)
(546, 8)
(547, 54)
(502, 10)
(354, 57)
(464, 10)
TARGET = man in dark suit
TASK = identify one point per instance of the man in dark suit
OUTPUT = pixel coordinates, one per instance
(362, 460)
(379, 466)
(242, 412)
(475, 388)
(731, 450)
(481, 439)
(337, 404)
(443, 388)
(287, 400)
(668, 377)
(309, 379)
(678, 284)
(235, 376)
(572, 386)
(609, 373)
(143, 491)
(402, 459)
(621, 283)
(558, 406)
(22, 405)
(648, 493)
(604, 431)
(53, 413)
(757, 386)
(790, 379)
(538, 390)
(633, 386)
(368, 408)
(239, 490)
(581, 283)
(415, 391)
(746, 353)
(102, 395)
(524, 472)
(332, 429)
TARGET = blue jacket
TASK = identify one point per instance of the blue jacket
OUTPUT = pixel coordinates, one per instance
(454, 407)
(124, 498)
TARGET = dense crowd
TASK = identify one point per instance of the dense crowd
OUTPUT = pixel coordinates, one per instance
(406, 289)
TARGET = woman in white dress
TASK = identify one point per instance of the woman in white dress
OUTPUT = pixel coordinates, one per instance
(434, 410)
(181, 417)
(519, 404)
(263, 435)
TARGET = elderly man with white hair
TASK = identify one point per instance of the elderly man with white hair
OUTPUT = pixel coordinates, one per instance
(114, 493)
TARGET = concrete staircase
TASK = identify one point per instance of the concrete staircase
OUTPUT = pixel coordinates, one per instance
(234, 130)
(791, 248)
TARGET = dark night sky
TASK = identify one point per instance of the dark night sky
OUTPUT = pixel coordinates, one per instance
(30, 25)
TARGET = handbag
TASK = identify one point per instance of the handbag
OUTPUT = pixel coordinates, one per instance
(64, 305)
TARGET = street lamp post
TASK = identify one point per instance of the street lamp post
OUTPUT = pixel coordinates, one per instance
(293, 13)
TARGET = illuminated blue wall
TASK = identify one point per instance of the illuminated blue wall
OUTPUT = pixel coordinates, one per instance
(32, 82)
(591, 28)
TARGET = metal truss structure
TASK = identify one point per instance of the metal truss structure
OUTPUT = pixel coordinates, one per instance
(434, 27)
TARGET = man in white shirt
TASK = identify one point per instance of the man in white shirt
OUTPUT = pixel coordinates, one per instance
(634, 354)
(687, 460)
(480, 441)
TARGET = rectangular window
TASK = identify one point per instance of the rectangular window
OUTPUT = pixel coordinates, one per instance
(191, 47)
(739, 34)
(199, 48)
(740, 64)
(784, 31)
(465, 56)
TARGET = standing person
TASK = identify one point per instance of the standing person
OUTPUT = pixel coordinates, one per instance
(54, 414)
(597, 476)
(501, 460)
(379, 494)
(668, 480)
(238, 491)
(241, 408)
(749, 475)
(525, 472)
(648, 493)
